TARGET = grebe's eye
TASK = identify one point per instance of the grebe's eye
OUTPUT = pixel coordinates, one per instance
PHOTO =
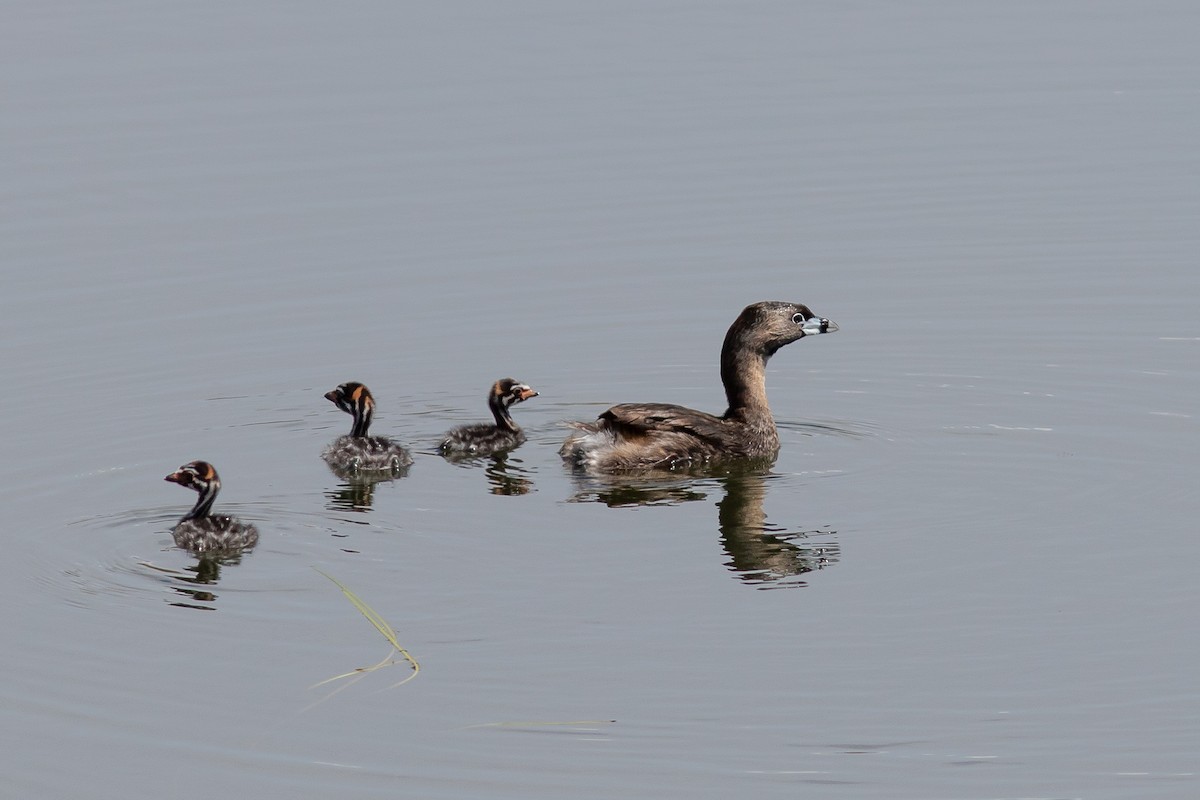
(798, 318)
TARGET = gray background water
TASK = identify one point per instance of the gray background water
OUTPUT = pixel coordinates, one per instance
(976, 574)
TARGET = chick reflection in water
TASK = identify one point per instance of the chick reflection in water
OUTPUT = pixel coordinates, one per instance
(505, 475)
(759, 554)
(206, 572)
(357, 490)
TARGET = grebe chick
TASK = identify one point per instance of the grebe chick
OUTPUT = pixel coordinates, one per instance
(484, 439)
(639, 436)
(201, 531)
(356, 450)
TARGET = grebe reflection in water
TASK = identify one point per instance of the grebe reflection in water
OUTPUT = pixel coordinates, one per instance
(758, 554)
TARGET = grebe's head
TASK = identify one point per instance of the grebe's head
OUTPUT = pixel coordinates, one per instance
(352, 397)
(765, 327)
(199, 476)
(508, 392)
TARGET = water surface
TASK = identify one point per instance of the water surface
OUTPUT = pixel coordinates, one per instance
(968, 575)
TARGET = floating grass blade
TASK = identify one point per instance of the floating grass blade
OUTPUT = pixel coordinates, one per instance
(382, 626)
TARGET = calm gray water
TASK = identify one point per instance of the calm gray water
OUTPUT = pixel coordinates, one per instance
(971, 573)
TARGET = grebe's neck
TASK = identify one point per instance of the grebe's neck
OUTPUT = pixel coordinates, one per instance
(207, 494)
(362, 419)
(744, 373)
(504, 420)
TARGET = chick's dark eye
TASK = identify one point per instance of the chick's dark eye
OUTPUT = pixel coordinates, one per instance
(798, 319)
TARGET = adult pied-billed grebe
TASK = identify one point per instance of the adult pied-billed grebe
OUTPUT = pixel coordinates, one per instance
(636, 436)
(356, 450)
(482, 440)
(200, 530)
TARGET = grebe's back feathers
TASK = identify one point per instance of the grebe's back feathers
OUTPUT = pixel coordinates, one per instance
(215, 534)
(351, 453)
(635, 436)
(663, 417)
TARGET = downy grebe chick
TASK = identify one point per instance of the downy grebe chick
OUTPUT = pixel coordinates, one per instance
(638, 436)
(356, 450)
(484, 439)
(201, 531)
